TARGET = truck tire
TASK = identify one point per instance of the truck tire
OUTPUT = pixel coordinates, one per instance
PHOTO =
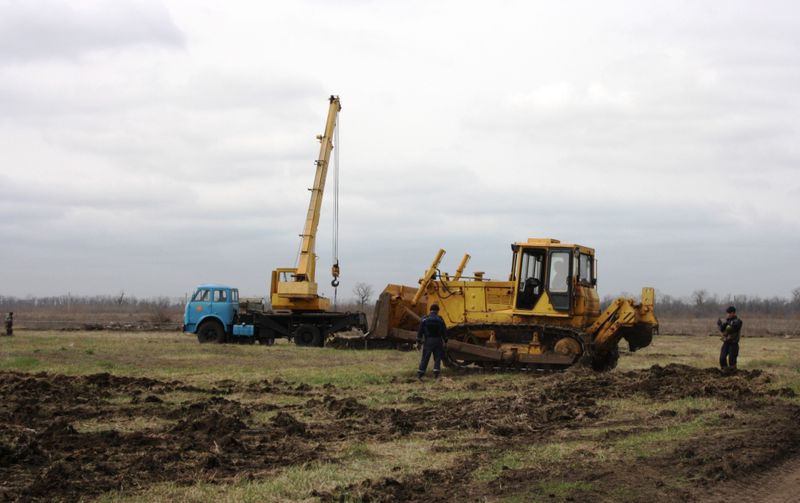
(210, 331)
(319, 339)
(306, 335)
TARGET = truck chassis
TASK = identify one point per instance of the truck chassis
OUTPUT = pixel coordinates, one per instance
(305, 329)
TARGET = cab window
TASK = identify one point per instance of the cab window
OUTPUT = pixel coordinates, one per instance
(585, 273)
(559, 271)
(530, 278)
(234, 295)
(202, 295)
(220, 296)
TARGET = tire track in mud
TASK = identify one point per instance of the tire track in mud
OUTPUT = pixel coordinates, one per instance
(778, 485)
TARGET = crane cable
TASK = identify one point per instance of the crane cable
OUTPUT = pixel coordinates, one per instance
(335, 243)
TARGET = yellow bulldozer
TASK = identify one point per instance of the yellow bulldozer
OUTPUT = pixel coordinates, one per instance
(545, 316)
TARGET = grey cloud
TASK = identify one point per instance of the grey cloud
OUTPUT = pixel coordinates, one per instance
(658, 136)
(50, 29)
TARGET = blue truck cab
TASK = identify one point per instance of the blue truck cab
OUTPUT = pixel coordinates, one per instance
(212, 312)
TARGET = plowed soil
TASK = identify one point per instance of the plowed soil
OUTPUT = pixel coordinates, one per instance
(206, 435)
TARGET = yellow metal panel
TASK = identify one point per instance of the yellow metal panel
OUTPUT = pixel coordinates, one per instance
(299, 289)
(543, 307)
(296, 304)
(451, 309)
(475, 298)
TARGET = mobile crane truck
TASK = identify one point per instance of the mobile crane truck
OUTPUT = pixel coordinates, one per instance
(216, 314)
(545, 316)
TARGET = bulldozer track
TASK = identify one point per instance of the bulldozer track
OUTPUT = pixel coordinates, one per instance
(518, 333)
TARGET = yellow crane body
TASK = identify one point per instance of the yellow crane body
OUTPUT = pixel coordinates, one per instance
(295, 288)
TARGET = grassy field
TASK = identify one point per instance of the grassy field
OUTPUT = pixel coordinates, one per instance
(369, 430)
(171, 355)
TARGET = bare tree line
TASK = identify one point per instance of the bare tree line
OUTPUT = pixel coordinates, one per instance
(70, 302)
(702, 303)
(699, 303)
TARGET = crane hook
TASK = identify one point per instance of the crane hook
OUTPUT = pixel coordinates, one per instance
(335, 274)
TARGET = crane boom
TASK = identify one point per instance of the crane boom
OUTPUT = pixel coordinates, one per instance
(296, 288)
(306, 267)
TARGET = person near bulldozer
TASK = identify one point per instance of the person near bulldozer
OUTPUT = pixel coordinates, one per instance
(9, 322)
(431, 336)
(731, 330)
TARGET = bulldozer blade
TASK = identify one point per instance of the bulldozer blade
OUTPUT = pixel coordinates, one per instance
(380, 320)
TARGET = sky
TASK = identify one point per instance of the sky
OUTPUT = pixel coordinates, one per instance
(150, 146)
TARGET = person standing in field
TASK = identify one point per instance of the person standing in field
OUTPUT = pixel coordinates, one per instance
(10, 324)
(731, 330)
(432, 335)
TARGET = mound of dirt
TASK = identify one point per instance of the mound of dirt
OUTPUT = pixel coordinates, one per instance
(345, 407)
(289, 424)
(429, 485)
(43, 456)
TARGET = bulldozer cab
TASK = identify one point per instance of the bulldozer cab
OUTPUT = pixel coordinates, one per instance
(549, 275)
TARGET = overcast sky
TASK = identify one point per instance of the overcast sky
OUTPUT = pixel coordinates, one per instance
(149, 146)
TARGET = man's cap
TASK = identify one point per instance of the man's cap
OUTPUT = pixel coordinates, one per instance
(434, 307)
(730, 309)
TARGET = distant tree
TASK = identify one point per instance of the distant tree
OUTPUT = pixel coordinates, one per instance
(159, 310)
(363, 293)
(699, 297)
(796, 297)
(120, 298)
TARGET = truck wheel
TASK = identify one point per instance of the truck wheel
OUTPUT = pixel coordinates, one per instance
(210, 332)
(305, 335)
(319, 339)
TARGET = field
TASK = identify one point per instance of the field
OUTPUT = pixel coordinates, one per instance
(154, 416)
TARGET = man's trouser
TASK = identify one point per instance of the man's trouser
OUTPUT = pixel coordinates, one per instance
(433, 346)
(728, 354)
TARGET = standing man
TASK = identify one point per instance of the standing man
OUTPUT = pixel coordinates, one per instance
(731, 330)
(10, 324)
(432, 335)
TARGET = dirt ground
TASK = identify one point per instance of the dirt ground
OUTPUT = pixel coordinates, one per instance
(238, 430)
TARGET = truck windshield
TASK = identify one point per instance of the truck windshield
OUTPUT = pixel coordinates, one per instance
(201, 295)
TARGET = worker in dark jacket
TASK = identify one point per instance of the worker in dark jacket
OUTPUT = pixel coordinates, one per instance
(731, 330)
(432, 335)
